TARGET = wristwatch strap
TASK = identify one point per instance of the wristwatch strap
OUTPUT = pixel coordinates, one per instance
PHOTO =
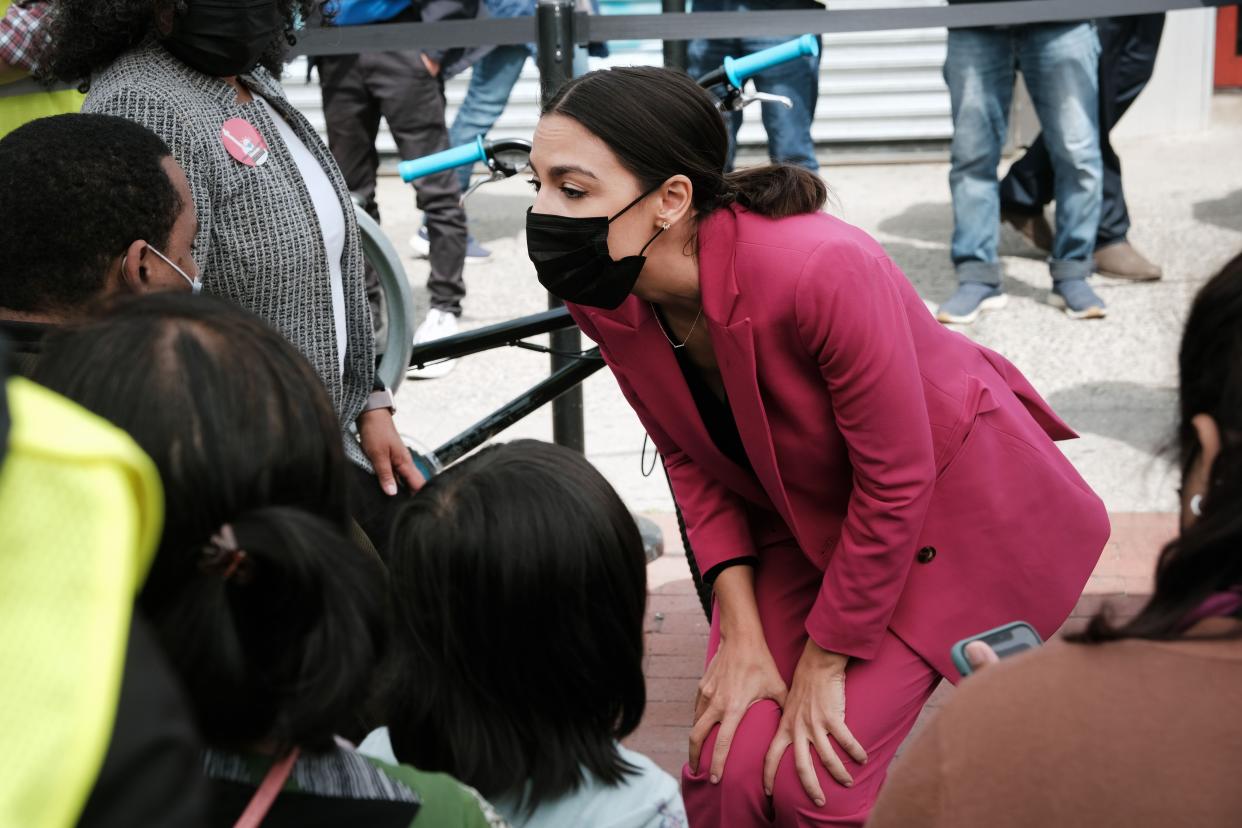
(380, 399)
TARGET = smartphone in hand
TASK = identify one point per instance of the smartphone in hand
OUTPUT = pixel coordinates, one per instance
(1005, 641)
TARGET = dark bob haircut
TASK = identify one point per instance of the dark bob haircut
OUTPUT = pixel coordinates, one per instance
(519, 586)
(75, 192)
(660, 123)
(280, 645)
(88, 35)
(1206, 557)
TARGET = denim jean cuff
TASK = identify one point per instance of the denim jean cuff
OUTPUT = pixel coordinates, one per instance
(1064, 271)
(985, 273)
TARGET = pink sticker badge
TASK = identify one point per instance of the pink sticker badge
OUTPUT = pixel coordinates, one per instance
(244, 142)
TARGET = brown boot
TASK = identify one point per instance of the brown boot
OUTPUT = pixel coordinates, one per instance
(1121, 261)
(1031, 225)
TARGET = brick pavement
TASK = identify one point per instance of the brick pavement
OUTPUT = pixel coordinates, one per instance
(677, 630)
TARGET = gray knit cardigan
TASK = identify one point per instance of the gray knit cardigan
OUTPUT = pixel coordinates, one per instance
(259, 241)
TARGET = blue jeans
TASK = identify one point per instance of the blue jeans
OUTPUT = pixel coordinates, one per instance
(789, 130)
(1059, 64)
(491, 83)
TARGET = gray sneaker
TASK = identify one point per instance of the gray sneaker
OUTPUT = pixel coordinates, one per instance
(1077, 299)
(475, 252)
(970, 299)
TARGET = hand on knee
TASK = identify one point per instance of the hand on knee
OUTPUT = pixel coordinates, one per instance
(813, 717)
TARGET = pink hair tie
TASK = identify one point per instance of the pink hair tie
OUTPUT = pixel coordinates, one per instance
(227, 553)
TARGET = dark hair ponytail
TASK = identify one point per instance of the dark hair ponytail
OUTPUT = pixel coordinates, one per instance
(660, 123)
(778, 190)
(244, 435)
(274, 637)
(1205, 558)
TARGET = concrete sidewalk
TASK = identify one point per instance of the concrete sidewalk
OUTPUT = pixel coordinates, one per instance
(1113, 380)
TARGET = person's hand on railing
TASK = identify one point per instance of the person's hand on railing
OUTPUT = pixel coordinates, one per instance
(387, 452)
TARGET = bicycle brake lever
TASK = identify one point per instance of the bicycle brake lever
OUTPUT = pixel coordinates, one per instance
(766, 97)
(496, 175)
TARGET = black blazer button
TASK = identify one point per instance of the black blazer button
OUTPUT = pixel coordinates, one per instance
(926, 555)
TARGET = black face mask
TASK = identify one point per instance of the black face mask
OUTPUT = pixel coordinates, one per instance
(223, 38)
(572, 260)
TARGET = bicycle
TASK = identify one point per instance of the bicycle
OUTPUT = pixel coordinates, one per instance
(503, 159)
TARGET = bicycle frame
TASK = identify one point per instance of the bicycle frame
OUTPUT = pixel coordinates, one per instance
(583, 366)
(512, 334)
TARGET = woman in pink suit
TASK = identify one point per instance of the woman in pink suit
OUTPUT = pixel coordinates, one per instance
(862, 487)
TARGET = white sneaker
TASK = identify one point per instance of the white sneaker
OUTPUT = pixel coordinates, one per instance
(437, 325)
(420, 243)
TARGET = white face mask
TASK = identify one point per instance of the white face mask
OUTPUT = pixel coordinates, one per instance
(196, 285)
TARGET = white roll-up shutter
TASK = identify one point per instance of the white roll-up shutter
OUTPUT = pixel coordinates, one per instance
(875, 87)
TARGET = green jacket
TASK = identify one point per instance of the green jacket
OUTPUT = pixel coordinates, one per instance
(339, 779)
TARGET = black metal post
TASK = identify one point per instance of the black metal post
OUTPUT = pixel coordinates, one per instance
(555, 22)
(675, 51)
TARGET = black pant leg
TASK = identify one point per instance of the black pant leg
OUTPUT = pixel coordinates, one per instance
(1127, 60)
(352, 115)
(412, 102)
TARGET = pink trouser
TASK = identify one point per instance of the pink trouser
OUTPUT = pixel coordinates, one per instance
(883, 699)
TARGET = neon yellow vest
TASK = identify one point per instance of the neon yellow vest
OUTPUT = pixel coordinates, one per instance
(81, 513)
(20, 109)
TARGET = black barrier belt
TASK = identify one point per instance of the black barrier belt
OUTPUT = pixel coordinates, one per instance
(598, 28)
(793, 23)
(673, 27)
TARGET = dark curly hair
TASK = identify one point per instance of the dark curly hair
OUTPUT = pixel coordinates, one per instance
(88, 35)
(75, 191)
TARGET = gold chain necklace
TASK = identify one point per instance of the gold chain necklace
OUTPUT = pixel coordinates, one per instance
(664, 331)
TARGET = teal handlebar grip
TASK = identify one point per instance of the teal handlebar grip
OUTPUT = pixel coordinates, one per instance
(439, 162)
(739, 70)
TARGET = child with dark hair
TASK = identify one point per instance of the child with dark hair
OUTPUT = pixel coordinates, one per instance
(519, 583)
(272, 618)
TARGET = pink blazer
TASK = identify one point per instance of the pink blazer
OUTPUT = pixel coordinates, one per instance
(915, 468)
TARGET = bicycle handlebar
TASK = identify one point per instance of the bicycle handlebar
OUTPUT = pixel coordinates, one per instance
(739, 70)
(441, 161)
(736, 71)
